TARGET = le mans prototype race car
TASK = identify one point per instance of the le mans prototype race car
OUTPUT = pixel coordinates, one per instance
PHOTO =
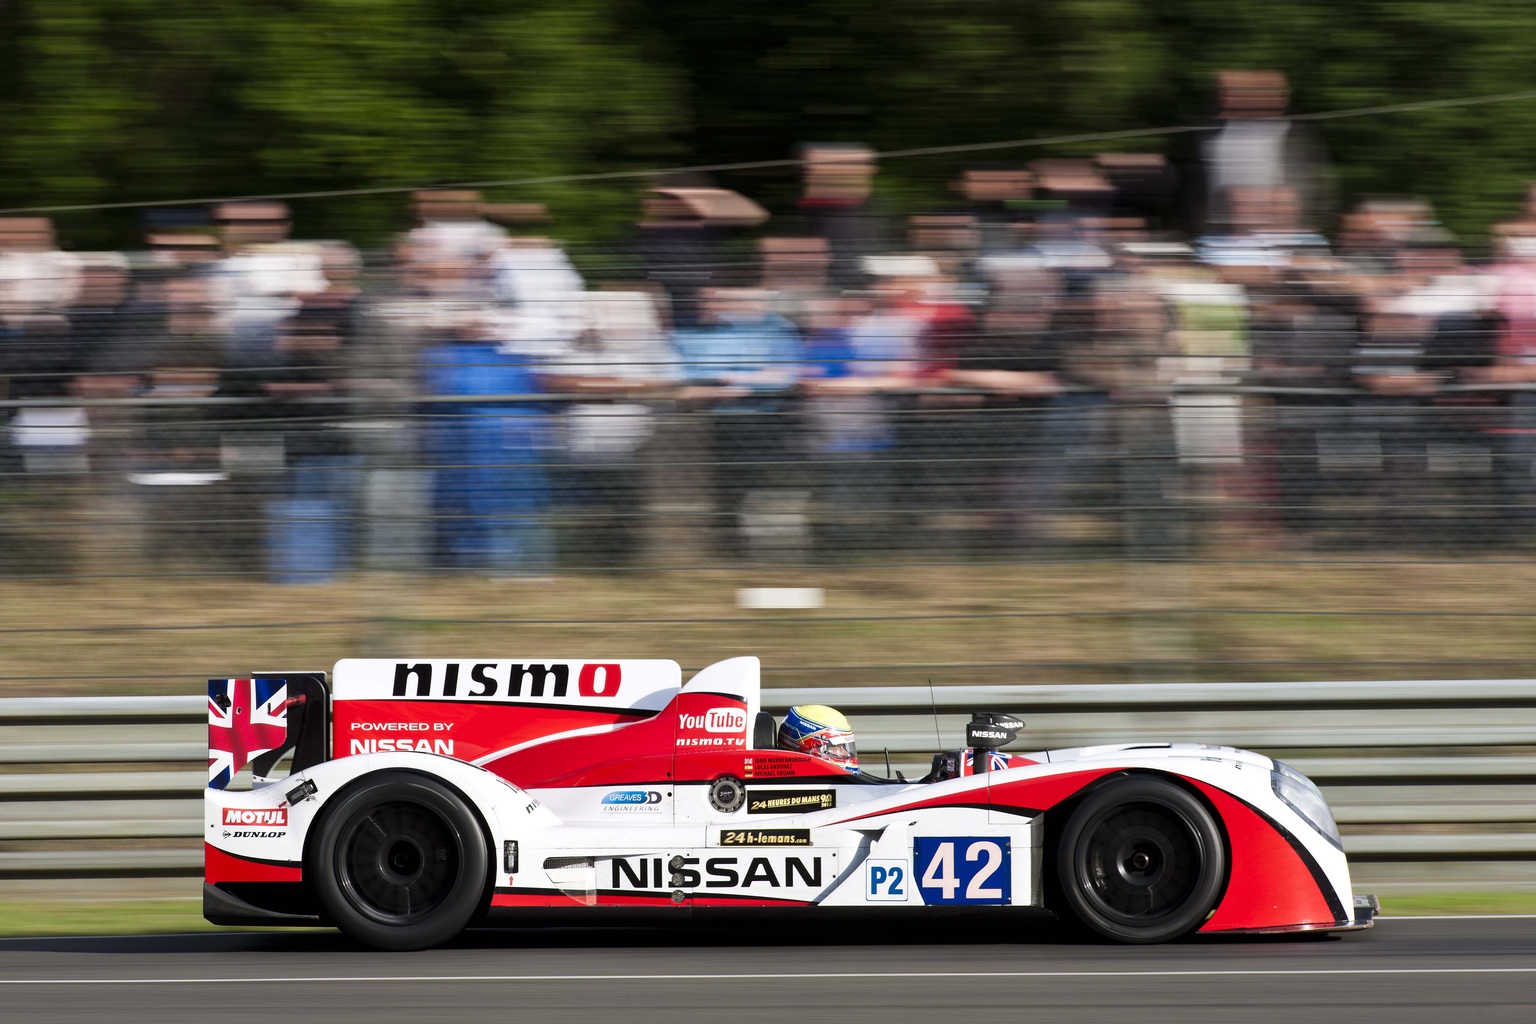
(427, 796)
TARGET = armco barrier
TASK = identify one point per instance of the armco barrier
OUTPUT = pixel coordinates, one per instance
(1433, 782)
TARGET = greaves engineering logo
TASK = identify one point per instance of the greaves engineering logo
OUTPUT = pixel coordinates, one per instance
(632, 801)
(716, 727)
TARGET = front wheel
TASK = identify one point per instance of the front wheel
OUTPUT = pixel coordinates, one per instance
(1141, 860)
(400, 862)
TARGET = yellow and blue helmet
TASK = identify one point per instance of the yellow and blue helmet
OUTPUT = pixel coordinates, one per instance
(822, 732)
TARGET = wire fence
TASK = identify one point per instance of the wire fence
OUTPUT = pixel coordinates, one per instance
(1126, 472)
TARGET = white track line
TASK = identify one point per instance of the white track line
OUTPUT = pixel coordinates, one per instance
(786, 976)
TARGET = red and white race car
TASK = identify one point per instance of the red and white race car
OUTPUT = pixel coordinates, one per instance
(430, 795)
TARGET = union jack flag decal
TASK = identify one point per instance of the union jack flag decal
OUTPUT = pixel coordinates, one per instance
(996, 761)
(246, 718)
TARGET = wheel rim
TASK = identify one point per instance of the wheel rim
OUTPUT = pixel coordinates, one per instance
(398, 861)
(1139, 863)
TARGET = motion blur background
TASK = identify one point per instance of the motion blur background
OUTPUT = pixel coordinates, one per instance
(1055, 342)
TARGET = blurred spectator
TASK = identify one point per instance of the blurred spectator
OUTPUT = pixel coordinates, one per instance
(1076, 188)
(451, 228)
(1516, 302)
(263, 277)
(1303, 347)
(1016, 349)
(1145, 184)
(682, 233)
(1012, 358)
(917, 290)
(38, 283)
(1256, 147)
(997, 197)
(1114, 423)
(859, 353)
(177, 469)
(795, 271)
(1514, 365)
(488, 438)
(104, 333)
(36, 277)
(951, 241)
(741, 348)
(618, 359)
(306, 390)
(741, 363)
(540, 295)
(836, 203)
(1031, 351)
(1426, 327)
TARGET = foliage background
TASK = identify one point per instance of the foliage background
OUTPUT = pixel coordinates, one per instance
(119, 100)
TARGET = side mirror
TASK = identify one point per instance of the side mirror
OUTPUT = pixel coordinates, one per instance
(983, 733)
(1000, 720)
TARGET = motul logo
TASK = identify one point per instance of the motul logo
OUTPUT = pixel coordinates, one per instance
(717, 720)
(267, 816)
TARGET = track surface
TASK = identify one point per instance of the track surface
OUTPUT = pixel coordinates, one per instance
(1406, 969)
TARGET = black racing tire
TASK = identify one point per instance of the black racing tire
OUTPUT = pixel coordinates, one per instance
(1141, 860)
(400, 861)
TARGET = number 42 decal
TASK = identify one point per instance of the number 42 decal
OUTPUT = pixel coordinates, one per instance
(963, 871)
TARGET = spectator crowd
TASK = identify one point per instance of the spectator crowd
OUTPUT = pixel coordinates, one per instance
(1039, 363)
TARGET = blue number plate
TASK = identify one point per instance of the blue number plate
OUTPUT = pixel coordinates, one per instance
(963, 870)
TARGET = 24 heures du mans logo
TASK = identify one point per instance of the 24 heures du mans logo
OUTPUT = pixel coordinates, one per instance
(788, 801)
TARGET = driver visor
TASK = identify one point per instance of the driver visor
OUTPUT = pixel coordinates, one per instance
(840, 748)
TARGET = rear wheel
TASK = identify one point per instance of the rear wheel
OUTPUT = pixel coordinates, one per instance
(1141, 860)
(400, 862)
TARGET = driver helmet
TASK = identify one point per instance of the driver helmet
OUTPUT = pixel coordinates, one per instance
(822, 732)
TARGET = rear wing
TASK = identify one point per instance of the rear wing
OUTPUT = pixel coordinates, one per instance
(470, 710)
(474, 709)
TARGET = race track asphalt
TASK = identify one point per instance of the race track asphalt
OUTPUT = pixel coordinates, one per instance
(1406, 969)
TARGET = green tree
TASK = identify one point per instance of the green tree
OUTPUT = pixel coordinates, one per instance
(763, 74)
(113, 100)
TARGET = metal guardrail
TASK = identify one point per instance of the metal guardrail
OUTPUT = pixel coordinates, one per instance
(1435, 774)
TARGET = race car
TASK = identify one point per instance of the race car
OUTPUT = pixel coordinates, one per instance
(422, 797)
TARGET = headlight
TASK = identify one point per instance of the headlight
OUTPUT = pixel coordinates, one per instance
(1302, 796)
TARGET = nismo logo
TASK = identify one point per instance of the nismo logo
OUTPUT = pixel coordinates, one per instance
(487, 679)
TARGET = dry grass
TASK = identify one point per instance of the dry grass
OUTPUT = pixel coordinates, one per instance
(1033, 621)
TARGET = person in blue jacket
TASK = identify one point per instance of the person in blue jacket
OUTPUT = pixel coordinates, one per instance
(488, 438)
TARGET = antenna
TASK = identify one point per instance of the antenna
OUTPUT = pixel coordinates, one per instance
(938, 741)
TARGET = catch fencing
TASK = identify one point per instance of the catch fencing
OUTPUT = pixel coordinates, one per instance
(1433, 782)
(1075, 474)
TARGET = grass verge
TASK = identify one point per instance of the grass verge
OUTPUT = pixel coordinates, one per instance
(20, 918)
(101, 917)
(1056, 622)
(1459, 903)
